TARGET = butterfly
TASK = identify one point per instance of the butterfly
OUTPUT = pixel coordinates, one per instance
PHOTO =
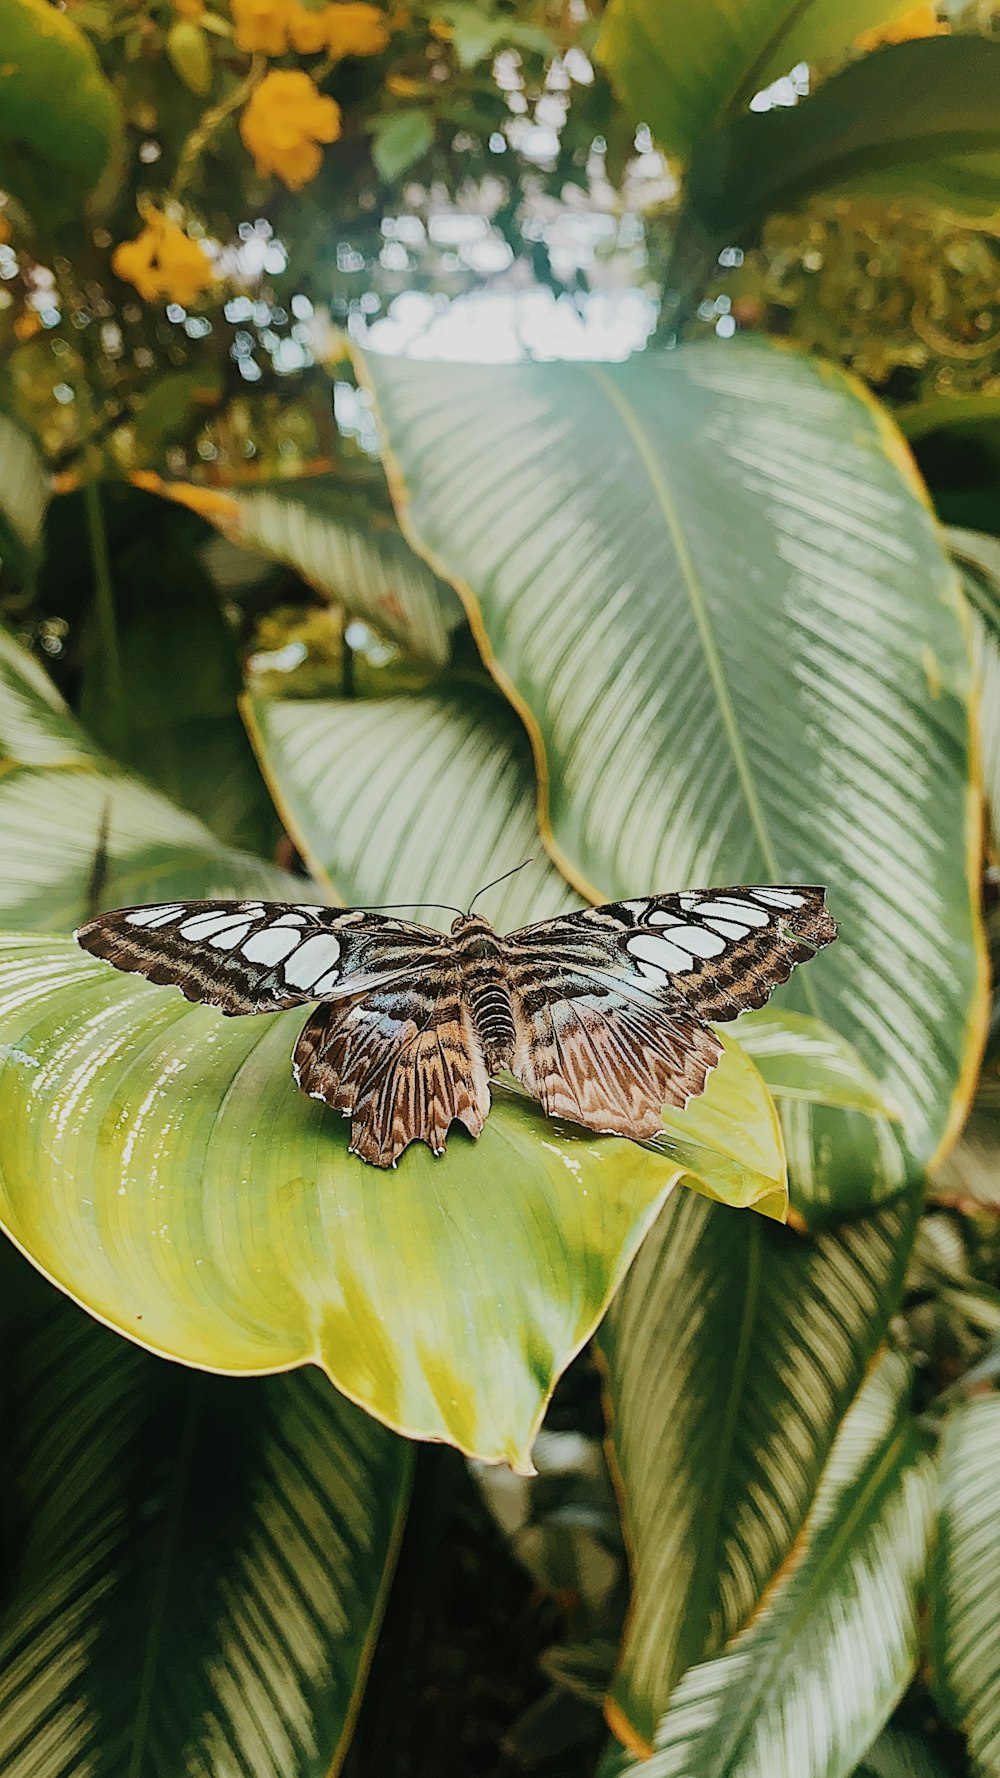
(603, 1015)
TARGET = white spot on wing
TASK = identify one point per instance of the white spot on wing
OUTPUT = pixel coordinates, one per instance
(728, 928)
(271, 945)
(659, 918)
(203, 926)
(311, 960)
(327, 982)
(780, 898)
(699, 942)
(743, 910)
(645, 947)
(153, 916)
(233, 936)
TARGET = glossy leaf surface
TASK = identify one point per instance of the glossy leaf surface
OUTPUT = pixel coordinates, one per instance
(807, 1687)
(200, 1203)
(60, 120)
(732, 1353)
(916, 122)
(710, 581)
(24, 492)
(197, 1566)
(686, 68)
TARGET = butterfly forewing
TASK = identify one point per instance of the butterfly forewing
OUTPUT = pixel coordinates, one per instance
(253, 956)
(603, 1015)
(611, 1004)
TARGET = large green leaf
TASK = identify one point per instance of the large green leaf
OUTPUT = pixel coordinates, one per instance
(711, 582)
(807, 1686)
(719, 1436)
(407, 798)
(195, 1567)
(59, 120)
(24, 492)
(685, 68)
(801, 1058)
(979, 559)
(965, 1612)
(353, 553)
(197, 1201)
(916, 122)
(78, 833)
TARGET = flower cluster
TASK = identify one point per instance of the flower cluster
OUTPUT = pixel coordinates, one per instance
(164, 261)
(342, 28)
(284, 122)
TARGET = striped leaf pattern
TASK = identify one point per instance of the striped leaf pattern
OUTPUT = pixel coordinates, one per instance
(62, 805)
(353, 554)
(979, 559)
(711, 582)
(965, 1611)
(397, 799)
(732, 1353)
(808, 1685)
(800, 1058)
(199, 1566)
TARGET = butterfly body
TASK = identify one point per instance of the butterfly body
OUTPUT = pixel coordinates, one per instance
(602, 1015)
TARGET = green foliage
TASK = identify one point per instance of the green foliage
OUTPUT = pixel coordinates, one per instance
(683, 619)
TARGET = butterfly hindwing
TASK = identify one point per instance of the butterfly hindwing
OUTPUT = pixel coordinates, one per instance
(611, 1004)
(256, 957)
(403, 1063)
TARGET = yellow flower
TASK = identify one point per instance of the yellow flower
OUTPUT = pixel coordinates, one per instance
(26, 325)
(164, 261)
(402, 87)
(355, 29)
(306, 29)
(917, 21)
(283, 123)
(260, 25)
(189, 9)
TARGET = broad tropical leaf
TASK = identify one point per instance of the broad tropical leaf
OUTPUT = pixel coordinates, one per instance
(347, 549)
(979, 559)
(61, 120)
(200, 1203)
(79, 834)
(24, 492)
(801, 1058)
(690, 570)
(720, 1434)
(197, 1567)
(686, 68)
(965, 1619)
(937, 144)
(407, 798)
(808, 1685)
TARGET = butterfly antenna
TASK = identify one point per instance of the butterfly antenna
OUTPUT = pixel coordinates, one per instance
(496, 880)
(382, 907)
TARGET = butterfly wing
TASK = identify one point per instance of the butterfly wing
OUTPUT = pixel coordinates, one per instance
(255, 956)
(402, 1063)
(611, 1004)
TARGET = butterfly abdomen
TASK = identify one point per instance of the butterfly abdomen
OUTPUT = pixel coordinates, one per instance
(484, 985)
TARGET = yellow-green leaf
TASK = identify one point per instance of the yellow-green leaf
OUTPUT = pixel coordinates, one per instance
(59, 117)
(801, 1058)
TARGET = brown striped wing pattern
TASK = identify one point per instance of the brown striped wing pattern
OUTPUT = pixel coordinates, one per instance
(602, 1015)
(611, 1005)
